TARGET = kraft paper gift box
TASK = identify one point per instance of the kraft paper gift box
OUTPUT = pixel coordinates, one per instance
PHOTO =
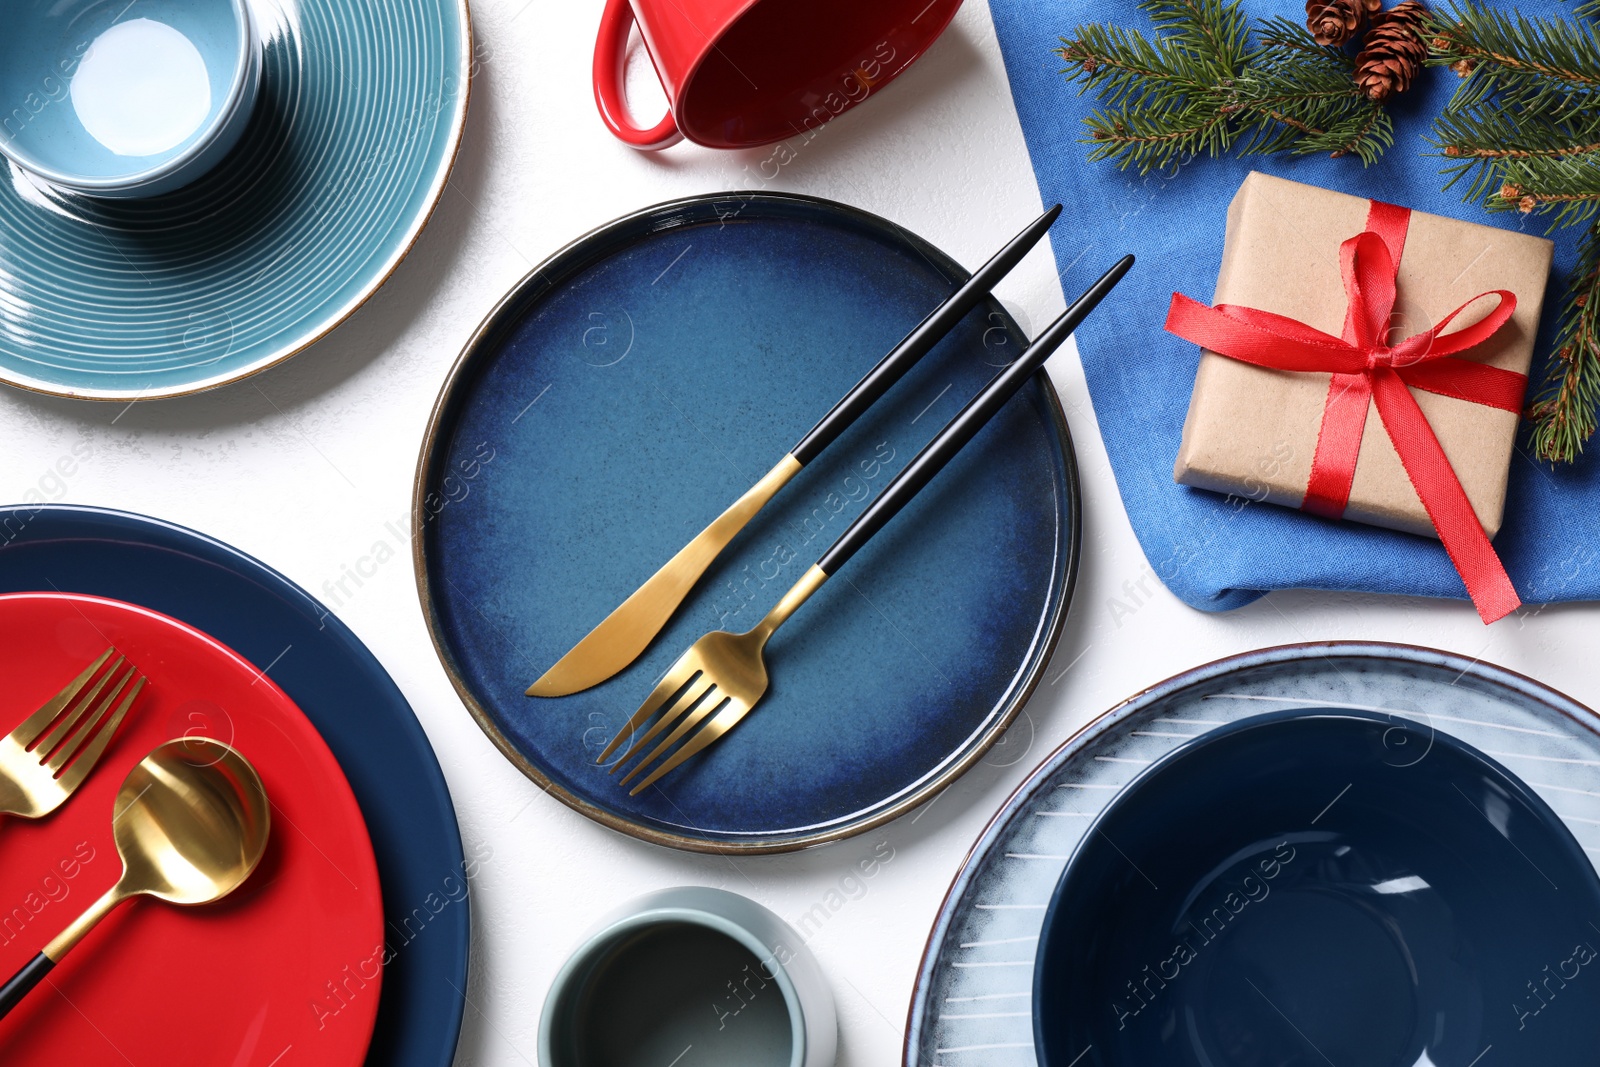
(1253, 431)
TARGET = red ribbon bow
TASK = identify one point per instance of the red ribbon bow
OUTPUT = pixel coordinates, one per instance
(1366, 367)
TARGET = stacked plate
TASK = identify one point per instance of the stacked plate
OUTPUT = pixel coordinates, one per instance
(350, 944)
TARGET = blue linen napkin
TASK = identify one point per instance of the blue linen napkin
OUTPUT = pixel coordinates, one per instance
(1214, 555)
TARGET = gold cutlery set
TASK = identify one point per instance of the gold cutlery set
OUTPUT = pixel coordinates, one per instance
(191, 820)
(722, 676)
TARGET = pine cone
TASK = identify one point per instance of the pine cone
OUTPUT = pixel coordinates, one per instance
(1394, 50)
(1333, 22)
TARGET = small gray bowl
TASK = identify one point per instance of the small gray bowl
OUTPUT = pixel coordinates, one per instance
(689, 968)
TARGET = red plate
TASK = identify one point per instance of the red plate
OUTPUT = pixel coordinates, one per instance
(285, 971)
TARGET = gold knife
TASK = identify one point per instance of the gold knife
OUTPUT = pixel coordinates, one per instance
(621, 636)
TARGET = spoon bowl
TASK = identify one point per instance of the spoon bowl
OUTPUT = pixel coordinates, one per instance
(192, 822)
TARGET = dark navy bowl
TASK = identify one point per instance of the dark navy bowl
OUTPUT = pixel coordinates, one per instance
(1322, 887)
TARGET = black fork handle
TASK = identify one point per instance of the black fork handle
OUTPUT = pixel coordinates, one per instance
(968, 421)
(920, 341)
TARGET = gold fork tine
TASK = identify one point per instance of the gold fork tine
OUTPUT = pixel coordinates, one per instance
(74, 775)
(700, 690)
(73, 715)
(35, 724)
(734, 677)
(712, 703)
(725, 721)
(69, 748)
(681, 672)
(44, 761)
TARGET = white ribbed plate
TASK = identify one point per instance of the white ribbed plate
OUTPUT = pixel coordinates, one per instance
(973, 1002)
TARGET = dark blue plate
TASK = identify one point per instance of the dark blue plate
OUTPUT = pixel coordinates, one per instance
(631, 388)
(1319, 886)
(343, 691)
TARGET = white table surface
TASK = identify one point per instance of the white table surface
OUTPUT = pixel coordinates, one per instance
(308, 467)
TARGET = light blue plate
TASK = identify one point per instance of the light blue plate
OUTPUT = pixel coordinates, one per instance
(973, 999)
(639, 381)
(360, 112)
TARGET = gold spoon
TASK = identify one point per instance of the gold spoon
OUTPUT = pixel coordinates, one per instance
(191, 823)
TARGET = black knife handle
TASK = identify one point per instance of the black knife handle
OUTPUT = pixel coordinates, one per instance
(916, 344)
(23, 981)
(968, 421)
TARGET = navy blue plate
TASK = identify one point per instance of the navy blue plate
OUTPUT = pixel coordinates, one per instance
(343, 691)
(1321, 886)
(634, 385)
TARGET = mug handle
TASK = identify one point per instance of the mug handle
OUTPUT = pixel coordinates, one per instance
(610, 68)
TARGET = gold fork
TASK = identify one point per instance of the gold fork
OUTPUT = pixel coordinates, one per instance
(723, 675)
(38, 771)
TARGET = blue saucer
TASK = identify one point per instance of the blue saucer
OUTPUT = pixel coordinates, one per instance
(1321, 886)
(346, 695)
(355, 127)
(637, 383)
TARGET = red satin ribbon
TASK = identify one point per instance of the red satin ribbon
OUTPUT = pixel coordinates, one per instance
(1365, 367)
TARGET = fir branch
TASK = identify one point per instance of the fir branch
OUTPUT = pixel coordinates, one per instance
(1150, 142)
(1161, 98)
(1524, 129)
(1564, 411)
(1528, 153)
(1210, 31)
(1574, 201)
(1554, 165)
(1202, 86)
(1126, 67)
(1548, 65)
(1308, 92)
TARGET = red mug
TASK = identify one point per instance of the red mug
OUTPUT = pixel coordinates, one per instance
(740, 73)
